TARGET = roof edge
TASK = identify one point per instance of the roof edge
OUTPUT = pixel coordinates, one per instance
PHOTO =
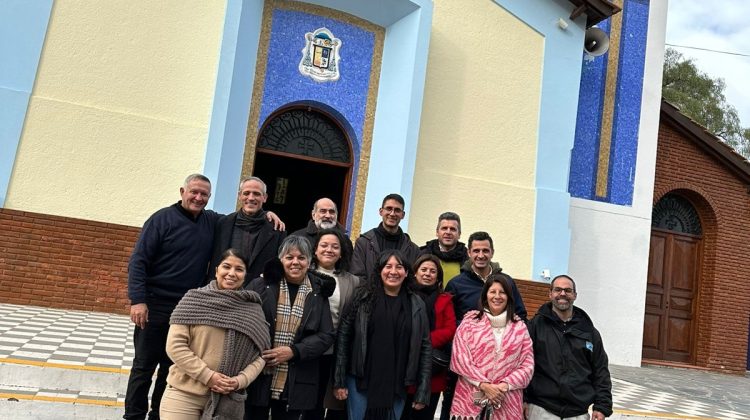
(706, 140)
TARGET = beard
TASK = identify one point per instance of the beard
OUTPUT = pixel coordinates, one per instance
(562, 305)
(322, 224)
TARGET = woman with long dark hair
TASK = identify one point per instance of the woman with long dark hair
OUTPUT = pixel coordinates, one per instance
(331, 257)
(383, 345)
(428, 285)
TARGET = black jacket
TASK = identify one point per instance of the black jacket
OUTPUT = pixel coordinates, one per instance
(266, 247)
(351, 344)
(314, 336)
(367, 249)
(570, 365)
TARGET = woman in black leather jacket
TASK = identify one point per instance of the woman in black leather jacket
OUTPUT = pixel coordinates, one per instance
(373, 378)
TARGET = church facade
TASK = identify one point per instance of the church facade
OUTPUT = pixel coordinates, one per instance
(490, 109)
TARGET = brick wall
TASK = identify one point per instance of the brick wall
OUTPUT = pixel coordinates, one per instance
(64, 263)
(723, 204)
(534, 294)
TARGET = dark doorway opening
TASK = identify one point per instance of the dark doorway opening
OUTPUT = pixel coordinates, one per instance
(294, 184)
(303, 154)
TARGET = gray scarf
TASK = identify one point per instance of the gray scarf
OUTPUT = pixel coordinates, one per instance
(240, 314)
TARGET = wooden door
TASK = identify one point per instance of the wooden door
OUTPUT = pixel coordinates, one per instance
(671, 297)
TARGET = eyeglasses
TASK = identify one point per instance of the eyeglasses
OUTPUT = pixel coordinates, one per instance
(567, 290)
(394, 210)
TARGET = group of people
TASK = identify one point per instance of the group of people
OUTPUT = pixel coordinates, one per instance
(306, 326)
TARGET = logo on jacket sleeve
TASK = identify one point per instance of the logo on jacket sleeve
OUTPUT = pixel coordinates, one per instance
(590, 346)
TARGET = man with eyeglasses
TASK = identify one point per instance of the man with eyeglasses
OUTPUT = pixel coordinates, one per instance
(570, 365)
(388, 235)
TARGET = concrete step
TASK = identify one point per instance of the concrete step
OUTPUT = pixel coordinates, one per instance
(46, 410)
(33, 390)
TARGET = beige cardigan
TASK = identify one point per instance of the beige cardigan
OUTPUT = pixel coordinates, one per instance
(196, 351)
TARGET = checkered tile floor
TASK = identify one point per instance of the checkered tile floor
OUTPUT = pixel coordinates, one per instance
(95, 340)
(629, 397)
(65, 337)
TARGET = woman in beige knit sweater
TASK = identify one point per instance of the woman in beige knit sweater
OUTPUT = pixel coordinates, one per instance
(216, 336)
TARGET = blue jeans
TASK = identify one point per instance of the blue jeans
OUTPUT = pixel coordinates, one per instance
(356, 402)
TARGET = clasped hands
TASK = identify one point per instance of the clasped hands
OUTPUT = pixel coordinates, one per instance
(222, 384)
(495, 393)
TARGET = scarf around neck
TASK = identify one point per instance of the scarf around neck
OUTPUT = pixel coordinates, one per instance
(384, 237)
(240, 314)
(429, 295)
(288, 319)
(457, 254)
(385, 367)
(250, 222)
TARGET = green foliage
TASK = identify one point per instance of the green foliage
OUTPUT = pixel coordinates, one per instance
(702, 98)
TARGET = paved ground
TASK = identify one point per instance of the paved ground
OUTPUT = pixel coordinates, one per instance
(71, 364)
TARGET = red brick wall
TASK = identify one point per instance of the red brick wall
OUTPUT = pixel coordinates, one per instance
(64, 263)
(723, 204)
(534, 294)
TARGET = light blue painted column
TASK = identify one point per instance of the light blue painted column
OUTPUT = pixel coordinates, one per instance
(23, 26)
(231, 103)
(397, 117)
(559, 102)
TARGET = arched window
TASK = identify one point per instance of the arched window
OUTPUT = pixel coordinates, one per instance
(305, 132)
(674, 212)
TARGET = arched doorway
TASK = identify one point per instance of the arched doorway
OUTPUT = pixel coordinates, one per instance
(303, 154)
(669, 328)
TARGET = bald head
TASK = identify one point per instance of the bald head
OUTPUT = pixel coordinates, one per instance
(324, 213)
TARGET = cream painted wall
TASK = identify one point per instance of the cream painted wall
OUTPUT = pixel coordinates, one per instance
(478, 135)
(120, 109)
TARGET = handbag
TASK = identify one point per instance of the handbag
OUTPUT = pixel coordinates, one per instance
(441, 358)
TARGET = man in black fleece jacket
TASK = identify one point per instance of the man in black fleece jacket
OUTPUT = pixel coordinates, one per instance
(571, 368)
(388, 235)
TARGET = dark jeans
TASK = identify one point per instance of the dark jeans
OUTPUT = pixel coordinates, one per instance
(445, 412)
(278, 412)
(427, 413)
(150, 352)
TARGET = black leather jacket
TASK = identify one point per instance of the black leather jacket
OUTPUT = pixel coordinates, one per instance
(351, 344)
(314, 336)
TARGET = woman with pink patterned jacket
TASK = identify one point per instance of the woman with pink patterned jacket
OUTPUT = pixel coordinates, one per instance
(493, 358)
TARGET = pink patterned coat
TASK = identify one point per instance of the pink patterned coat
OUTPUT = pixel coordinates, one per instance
(475, 357)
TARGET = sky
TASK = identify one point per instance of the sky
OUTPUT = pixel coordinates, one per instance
(722, 25)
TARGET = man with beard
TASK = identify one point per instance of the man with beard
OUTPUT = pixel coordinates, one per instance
(451, 253)
(324, 216)
(248, 230)
(169, 258)
(388, 235)
(466, 287)
(571, 367)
